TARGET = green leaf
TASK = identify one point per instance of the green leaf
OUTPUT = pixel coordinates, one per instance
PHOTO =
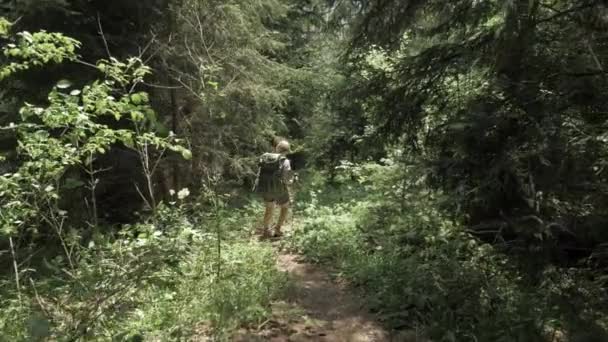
(128, 141)
(137, 115)
(5, 26)
(186, 154)
(160, 129)
(64, 84)
(117, 115)
(27, 36)
(136, 99)
(214, 85)
(150, 114)
(72, 183)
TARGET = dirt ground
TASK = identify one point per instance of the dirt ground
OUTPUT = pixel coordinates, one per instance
(318, 309)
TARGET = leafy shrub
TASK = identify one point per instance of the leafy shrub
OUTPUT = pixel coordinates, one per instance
(161, 276)
(420, 267)
(199, 298)
(148, 282)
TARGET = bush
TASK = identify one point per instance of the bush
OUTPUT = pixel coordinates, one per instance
(146, 282)
(199, 299)
(419, 267)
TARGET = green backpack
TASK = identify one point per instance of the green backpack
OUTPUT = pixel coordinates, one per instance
(270, 178)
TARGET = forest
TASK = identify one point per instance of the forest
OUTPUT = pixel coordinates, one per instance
(448, 166)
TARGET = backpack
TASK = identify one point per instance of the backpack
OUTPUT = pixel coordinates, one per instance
(270, 177)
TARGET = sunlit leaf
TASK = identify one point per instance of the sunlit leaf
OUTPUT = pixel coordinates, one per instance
(64, 84)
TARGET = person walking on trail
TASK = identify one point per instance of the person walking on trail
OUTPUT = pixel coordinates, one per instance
(273, 184)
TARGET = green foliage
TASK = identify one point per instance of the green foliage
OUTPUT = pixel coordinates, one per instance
(224, 64)
(152, 282)
(507, 115)
(35, 50)
(175, 274)
(502, 102)
(86, 290)
(420, 269)
(69, 133)
(198, 300)
(5, 26)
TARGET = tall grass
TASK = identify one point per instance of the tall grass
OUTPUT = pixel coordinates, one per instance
(163, 282)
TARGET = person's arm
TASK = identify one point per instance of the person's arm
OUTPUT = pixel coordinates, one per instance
(257, 179)
(287, 173)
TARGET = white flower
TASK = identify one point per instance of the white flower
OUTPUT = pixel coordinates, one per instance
(172, 192)
(183, 193)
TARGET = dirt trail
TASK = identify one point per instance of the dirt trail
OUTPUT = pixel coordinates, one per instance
(316, 309)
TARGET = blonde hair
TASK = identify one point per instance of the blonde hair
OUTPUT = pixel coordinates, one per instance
(282, 146)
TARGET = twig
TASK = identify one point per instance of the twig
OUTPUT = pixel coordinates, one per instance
(39, 299)
(58, 226)
(143, 197)
(263, 324)
(598, 64)
(16, 21)
(103, 37)
(192, 91)
(79, 61)
(145, 49)
(559, 14)
(158, 160)
(29, 257)
(158, 86)
(16, 268)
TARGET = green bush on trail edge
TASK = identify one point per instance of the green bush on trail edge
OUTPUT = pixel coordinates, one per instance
(420, 269)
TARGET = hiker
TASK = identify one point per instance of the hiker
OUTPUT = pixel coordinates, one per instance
(273, 183)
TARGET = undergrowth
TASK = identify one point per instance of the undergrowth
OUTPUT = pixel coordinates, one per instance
(163, 282)
(384, 232)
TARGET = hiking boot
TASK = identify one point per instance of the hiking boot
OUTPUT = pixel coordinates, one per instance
(263, 232)
(277, 233)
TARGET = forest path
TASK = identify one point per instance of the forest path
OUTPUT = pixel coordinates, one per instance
(316, 308)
